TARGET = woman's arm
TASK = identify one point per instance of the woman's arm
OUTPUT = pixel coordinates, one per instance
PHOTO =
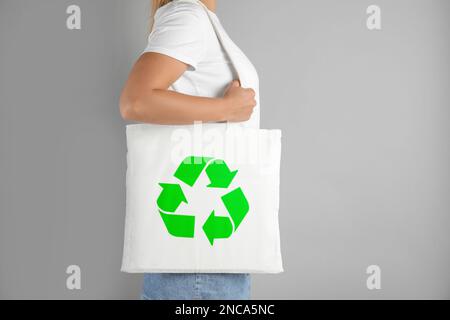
(146, 98)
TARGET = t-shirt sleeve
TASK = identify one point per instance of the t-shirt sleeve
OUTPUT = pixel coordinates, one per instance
(180, 35)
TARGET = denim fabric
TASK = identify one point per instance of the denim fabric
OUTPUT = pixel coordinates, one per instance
(190, 286)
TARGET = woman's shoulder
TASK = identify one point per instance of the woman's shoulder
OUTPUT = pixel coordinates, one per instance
(189, 11)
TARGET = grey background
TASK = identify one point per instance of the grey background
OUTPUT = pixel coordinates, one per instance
(365, 168)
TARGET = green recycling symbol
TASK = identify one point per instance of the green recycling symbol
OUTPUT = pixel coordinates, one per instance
(220, 176)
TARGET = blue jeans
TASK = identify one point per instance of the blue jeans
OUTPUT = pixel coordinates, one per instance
(190, 286)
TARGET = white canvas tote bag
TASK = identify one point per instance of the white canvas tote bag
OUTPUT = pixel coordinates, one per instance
(202, 197)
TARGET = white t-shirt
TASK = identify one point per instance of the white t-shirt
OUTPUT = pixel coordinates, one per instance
(182, 30)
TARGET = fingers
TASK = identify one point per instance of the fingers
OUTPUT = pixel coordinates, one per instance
(251, 95)
(251, 91)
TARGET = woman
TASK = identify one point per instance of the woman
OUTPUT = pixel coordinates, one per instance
(183, 76)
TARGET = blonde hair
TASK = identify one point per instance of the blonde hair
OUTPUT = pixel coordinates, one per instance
(156, 4)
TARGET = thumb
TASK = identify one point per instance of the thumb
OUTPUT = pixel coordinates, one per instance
(235, 83)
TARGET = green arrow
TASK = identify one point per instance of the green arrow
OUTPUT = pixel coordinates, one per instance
(237, 206)
(179, 225)
(190, 169)
(171, 197)
(219, 174)
(217, 227)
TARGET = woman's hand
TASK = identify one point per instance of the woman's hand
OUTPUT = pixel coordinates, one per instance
(239, 102)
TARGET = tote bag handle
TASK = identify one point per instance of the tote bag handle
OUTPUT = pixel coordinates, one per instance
(231, 55)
